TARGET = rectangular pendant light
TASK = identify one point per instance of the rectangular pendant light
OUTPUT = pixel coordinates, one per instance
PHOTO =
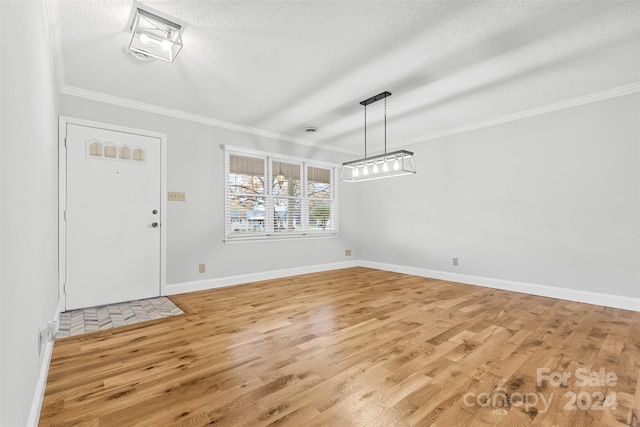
(386, 165)
(154, 36)
(396, 163)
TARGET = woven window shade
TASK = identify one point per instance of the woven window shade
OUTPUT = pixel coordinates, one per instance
(289, 170)
(246, 165)
(318, 175)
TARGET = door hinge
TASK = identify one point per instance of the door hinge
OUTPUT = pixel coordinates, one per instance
(64, 288)
(65, 142)
(65, 215)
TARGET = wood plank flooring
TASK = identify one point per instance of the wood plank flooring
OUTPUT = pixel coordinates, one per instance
(354, 347)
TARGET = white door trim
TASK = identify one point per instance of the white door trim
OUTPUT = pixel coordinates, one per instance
(62, 201)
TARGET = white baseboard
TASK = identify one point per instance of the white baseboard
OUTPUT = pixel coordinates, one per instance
(38, 396)
(596, 298)
(201, 285)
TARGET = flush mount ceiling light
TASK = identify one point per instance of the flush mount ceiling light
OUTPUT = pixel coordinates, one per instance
(387, 165)
(154, 37)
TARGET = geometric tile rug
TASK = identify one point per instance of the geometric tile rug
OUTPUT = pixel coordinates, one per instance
(85, 320)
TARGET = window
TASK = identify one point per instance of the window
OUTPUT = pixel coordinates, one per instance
(270, 196)
(112, 151)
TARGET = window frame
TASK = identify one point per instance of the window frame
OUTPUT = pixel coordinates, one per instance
(306, 231)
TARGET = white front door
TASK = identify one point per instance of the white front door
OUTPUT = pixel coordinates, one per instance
(113, 216)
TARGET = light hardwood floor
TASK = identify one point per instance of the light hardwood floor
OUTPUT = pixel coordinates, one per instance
(353, 347)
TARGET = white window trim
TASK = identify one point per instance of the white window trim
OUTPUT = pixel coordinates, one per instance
(229, 238)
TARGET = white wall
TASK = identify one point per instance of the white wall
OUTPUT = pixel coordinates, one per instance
(195, 228)
(1, 116)
(29, 201)
(549, 200)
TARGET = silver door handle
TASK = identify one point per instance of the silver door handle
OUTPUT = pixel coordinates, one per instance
(155, 224)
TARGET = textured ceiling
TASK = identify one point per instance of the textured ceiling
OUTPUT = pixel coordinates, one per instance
(280, 66)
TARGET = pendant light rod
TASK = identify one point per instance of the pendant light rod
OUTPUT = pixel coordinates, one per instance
(378, 97)
(365, 130)
(385, 124)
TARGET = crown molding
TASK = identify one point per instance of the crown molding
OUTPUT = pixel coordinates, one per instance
(178, 114)
(52, 15)
(587, 99)
(122, 102)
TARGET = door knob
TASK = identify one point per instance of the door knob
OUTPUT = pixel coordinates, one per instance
(155, 224)
(155, 211)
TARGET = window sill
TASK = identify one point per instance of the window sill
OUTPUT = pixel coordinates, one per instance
(277, 238)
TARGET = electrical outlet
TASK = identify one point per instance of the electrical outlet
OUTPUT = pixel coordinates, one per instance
(347, 252)
(202, 268)
(52, 329)
(176, 196)
(455, 261)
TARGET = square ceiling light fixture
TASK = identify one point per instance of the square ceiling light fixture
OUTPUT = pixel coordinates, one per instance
(154, 37)
(386, 165)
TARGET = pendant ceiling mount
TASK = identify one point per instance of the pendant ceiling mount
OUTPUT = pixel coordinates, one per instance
(375, 98)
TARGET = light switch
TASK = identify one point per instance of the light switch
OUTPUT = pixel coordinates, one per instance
(175, 196)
